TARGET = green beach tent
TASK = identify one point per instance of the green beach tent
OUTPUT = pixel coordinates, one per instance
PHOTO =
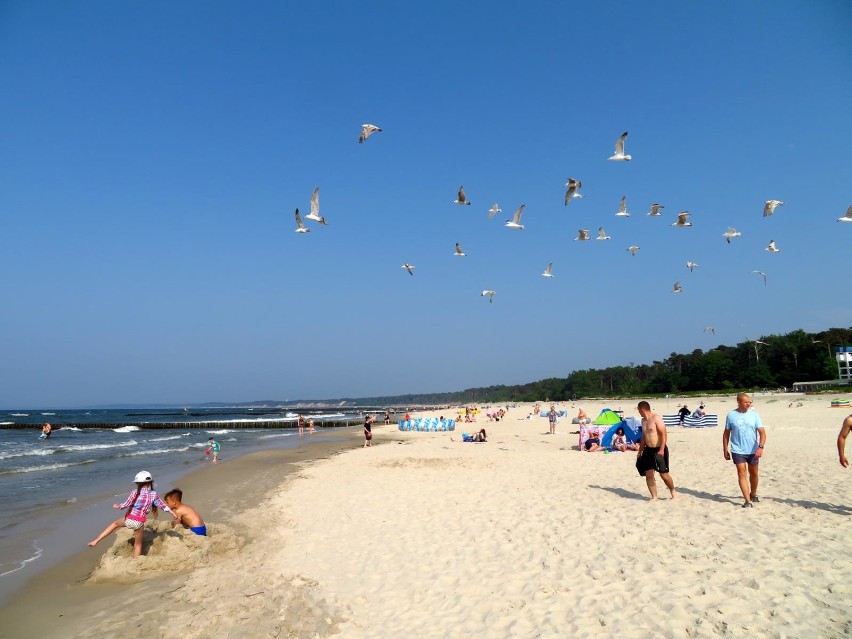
(607, 417)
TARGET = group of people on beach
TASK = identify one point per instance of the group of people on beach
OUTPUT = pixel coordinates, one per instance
(145, 500)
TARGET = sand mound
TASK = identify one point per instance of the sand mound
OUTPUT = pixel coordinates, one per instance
(165, 551)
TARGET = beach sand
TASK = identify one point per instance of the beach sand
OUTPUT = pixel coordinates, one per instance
(523, 536)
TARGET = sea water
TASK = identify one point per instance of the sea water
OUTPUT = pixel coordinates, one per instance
(47, 485)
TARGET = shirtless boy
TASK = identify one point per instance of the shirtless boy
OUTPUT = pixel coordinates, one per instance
(653, 452)
(184, 513)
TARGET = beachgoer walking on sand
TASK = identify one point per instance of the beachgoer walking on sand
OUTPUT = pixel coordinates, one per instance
(845, 427)
(745, 433)
(141, 501)
(184, 513)
(684, 412)
(311, 428)
(368, 430)
(301, 424)
(214, 447)
(45, 431)
(653, 452)
(387, 417)
(552, 417)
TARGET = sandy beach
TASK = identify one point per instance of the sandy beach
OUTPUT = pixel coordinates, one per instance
(522, 536)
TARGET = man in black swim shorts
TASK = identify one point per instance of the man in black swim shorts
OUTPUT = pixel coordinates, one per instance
(653, 455)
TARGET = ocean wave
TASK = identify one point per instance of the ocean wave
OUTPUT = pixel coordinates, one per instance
(76, 447)
(155, 451)
(6, 423)
(224, 431)
(48, 413)
(28, 453)
(24, 562)
(126, 429)
(35, 469)
(164, 439)
(79, 430)
(276, 435)
(19, 414)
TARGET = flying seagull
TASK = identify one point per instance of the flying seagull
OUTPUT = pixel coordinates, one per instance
(633, 249)
(408, 267)
(709, 329)
(494, 210)
(681, 219)
(602, 234)
(314, 214)
(619, 149)
(462, 197)
(622, 210)
(366, 131)
(677, 288)
(490, 295)
(300, 226)
(847, 217)
(515, 222)
(691, 266)
(762, 274)
(583, 235)
(769, 207)
(731, 233)
(459, 251)
(573, 188)
(655, 210)
(772, 248)
(548, 272)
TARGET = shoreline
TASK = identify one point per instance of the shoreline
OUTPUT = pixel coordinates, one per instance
(59, 596)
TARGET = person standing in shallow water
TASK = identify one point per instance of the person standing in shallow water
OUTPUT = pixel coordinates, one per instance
(746, 436)
(653, 455)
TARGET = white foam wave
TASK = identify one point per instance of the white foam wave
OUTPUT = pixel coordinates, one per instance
(129, 442)
(164, 439)
(48, 413)
(156, 451)
(24, 562)
(6, 423)
(221, 432)
(19, 414)
(79, 430)
(276, 435)
(34, 469)
(126, 429)
(27, 453)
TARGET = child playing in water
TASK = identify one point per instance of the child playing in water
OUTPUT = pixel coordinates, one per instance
(213, 445)
(184, 513)
(141, 501)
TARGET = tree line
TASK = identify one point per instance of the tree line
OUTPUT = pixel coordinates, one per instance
(778, 362)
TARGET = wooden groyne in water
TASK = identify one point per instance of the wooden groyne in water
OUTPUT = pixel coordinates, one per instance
(288, 424)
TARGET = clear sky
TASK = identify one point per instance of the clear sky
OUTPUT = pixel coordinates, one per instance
(152, 155)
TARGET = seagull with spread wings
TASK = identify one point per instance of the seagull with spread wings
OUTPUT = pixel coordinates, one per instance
(583, 235)
(314, 214)
(770, 206)
(847, 217)
(490, 295)
(633, 249)
(462, 199)
(602, 234)
(682, 220)
(300, 226)
(677, 288)
(573, 187)
(459, 252)
(762, 274)
(548, 272)
(408, 267)
(655, 210)
(515, 222)
(709, 329)
(494, 210)
(772, 248)
(691, 266)
(622, 210)
(366, 131)
(619, 149)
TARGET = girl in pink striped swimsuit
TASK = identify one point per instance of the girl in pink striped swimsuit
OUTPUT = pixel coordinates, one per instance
(140, 501)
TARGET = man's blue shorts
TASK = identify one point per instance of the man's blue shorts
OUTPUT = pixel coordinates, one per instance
(751, 460)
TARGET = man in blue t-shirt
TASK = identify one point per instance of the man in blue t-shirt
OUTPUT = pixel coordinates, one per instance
(745, 433)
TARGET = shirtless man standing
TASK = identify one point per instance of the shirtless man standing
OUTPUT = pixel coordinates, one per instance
(650, 458)
(841, 441)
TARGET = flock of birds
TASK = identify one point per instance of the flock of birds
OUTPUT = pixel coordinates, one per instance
(572, 192)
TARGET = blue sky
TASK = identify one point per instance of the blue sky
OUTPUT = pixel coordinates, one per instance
(152, 155)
